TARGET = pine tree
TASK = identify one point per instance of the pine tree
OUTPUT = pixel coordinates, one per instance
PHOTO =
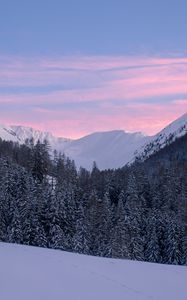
(120, 235)
(56, 237)
(38, 236)
(152, 249)
(15, 234)
(103, 225)
(81, 239)
(173, 249)
(41, 161)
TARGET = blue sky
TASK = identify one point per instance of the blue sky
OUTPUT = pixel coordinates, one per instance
(101, 27)
(98, 64)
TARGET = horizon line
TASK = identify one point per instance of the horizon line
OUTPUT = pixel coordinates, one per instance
(91, 133)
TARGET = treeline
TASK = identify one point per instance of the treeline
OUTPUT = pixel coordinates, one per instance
(137, 212)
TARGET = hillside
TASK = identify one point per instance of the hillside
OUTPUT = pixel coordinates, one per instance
(111, 149)
(137, 212)
(21, 133)
(29, 273)
(165, 137)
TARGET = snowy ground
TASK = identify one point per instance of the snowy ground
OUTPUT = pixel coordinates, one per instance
(39, 274)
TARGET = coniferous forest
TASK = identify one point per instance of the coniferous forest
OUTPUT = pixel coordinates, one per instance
(137, 212)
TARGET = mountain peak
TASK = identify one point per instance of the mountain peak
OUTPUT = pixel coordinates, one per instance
(110, 149)
(165, 137)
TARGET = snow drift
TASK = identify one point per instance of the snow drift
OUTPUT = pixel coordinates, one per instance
(30, 273)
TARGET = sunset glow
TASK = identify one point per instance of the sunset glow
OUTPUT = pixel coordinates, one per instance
(76, 67)
(74, 96)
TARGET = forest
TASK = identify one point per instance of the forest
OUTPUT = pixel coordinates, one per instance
(138, 212)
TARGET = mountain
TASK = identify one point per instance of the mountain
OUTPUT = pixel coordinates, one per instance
(112, 149)
(21, 133)
(165, 137)
(41, 274)
(7, 134)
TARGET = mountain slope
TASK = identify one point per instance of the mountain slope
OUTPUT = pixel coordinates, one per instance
(165, 137)
(112, 149)
(21, 134)
(41, 274)
(7, 134)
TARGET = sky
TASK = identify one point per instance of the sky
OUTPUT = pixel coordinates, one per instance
(74, 67)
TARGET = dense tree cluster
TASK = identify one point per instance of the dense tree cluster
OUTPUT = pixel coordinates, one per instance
(137, 212)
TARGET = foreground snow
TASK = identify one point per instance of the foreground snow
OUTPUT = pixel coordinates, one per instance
(39, 274)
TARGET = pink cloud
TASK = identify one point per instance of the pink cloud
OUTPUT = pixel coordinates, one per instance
(148, 118)
(100, 80)
(150, 77)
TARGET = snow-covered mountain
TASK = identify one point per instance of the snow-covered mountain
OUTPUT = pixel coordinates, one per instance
(7, 134)
(110, 149)
(31, 273)
(169, 134)
(21, 134)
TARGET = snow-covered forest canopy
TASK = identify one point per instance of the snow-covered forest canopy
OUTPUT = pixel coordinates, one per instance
(137, 212)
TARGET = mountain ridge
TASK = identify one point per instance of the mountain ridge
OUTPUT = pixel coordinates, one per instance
(109, 149)
(166, 136)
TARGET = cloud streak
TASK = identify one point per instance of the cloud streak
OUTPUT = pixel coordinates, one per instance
(75, 95)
